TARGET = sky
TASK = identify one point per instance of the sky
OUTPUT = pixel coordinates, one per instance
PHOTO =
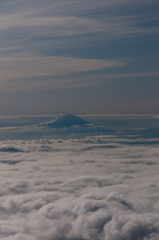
(80, 56)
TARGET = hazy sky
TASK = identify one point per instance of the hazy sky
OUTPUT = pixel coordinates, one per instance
(84, 56)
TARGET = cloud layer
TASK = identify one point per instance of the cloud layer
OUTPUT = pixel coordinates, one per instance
(89, 189)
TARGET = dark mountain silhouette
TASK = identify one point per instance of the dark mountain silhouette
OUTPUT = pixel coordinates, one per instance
(68, 120)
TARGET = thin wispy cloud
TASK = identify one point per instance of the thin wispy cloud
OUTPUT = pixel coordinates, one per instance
(27, 66)
(66, 38)
(28, 81)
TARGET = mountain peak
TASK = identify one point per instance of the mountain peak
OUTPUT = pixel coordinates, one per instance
(68, 120)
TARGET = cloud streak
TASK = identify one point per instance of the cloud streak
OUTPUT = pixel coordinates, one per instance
(75, 44)
(58, 81)
(45, 66)
(30, 32)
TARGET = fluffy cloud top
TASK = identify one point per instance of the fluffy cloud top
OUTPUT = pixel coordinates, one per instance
(87, 189)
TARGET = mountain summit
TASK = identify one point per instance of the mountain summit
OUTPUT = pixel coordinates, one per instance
(68, 120)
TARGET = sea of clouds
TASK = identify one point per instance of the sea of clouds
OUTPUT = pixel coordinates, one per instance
(97, 188)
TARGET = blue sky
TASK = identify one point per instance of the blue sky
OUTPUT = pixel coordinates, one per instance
(83, 56)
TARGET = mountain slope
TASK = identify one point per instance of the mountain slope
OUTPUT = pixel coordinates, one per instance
(68, 120)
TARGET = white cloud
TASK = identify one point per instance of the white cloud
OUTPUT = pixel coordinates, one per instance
(71, 192)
